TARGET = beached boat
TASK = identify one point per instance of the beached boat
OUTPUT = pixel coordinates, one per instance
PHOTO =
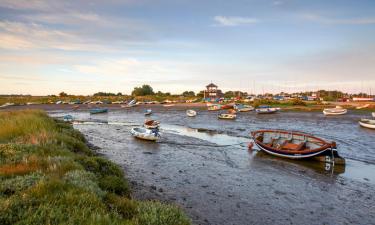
(68, 118)
(227, 106)
(367, 123)
(168, 105)
(227, 116)
(148, 112)
(145, 134)
(214, 107)
(98, 110)
(151, 124)
(265, 109)
(373, 114)
(243, 108)
(363, 106)
(335, 111)
(293, 145)
(191, 113)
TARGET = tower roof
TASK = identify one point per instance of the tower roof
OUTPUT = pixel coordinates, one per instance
(211, 85)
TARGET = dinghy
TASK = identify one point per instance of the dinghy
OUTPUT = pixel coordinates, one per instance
(145, 134)
(243, 108)
(293, 145)
(367, 123)
(68, 118)
(148, 112)
(227, 116)
(215, 107)
(151, 124)
(227, 106)
(335, 111)
(98, 110)
(191, 113)
(265, 109)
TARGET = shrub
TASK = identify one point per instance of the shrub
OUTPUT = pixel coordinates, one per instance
(155, 213)
(114, 184)
(127, 208)
(100, 166)
(84, 180)
(19, 183)
(297, 101)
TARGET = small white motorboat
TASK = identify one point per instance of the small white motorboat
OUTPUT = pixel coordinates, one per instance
(367, 123)
(265, 109)
(335, 111)
(151, 124)
(191, 113)
(148, 112)
(227, 116)
(145, 134)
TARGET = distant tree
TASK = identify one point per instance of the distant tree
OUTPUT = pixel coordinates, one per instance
(188, 94)
(142, 91)
(104, 94)
(119, 94)
(229, 94)
(200, 94)
(63, 94)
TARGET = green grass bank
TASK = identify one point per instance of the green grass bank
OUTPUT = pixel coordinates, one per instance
(48, 175)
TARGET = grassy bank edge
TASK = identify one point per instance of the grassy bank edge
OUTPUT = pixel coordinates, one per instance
(48, 175)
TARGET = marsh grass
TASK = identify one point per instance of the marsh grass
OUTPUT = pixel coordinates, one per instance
(48, 175)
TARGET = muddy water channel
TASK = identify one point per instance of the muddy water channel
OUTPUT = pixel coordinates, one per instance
(203, 165)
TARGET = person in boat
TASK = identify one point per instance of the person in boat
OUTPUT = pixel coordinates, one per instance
(155, 131)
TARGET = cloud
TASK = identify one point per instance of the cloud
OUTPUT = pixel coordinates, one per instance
(349, 21)
(231, 21)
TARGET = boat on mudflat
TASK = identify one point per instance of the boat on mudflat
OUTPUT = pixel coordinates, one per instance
(191, 113)
(148, 112)
(373, 114)
(145, 134)
(243, 108)
(226, 116)
(295, 145)
(335, 111)
(367, 123)
(151, 124)
(265, 109)
(98, 110)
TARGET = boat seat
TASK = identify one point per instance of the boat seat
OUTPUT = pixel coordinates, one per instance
(292, 146)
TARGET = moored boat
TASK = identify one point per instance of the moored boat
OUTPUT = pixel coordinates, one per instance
(243, 108)
(335, 111)
(227, 116)
(367, 123)
(98, 110)
(168, 105)
(148, 112)
(265, 109)
(363, 106)
(293, 145)
(151, 124)
(145, 134)
(214, 107)
(191, 113)
(373, 114)
(68, 118)
(227, 106)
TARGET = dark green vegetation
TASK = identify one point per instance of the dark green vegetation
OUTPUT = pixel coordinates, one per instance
(48, 175)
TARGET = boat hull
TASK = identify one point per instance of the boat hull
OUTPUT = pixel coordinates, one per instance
(367, 124)
(141, 133)
(191, 113)
(329, 112)
(97, 111)
(266, 111)
(227, 116)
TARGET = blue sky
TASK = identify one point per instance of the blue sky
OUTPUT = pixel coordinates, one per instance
(82, 47)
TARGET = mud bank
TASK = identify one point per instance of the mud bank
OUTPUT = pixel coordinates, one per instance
(210, 173)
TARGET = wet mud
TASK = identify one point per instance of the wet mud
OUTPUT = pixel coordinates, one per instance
(203, 165)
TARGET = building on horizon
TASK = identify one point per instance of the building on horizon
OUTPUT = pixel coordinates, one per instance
(212, 92)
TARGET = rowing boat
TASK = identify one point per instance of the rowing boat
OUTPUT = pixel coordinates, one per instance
(191, 113)
(98, 110)
(367, 123)
(335, 111)
(265, 109)
(145, 134)
(227, 116)
(292, 145)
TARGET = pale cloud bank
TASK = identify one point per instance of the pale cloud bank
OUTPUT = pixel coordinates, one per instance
(341, 21)
(232, 21)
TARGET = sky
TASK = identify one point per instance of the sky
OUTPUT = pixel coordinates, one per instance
(87, 46)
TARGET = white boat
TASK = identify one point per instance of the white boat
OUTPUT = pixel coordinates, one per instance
(335, 111)
(148, 112)
(266, 110)
(367, 123)
(168, 105)
(227, 116)
(243, 108)
(151, 124)
(145, 134)
(191, 113)
(373, 114)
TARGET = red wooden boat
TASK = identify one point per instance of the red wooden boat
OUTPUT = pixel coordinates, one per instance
(293, 145)
(227, 106)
